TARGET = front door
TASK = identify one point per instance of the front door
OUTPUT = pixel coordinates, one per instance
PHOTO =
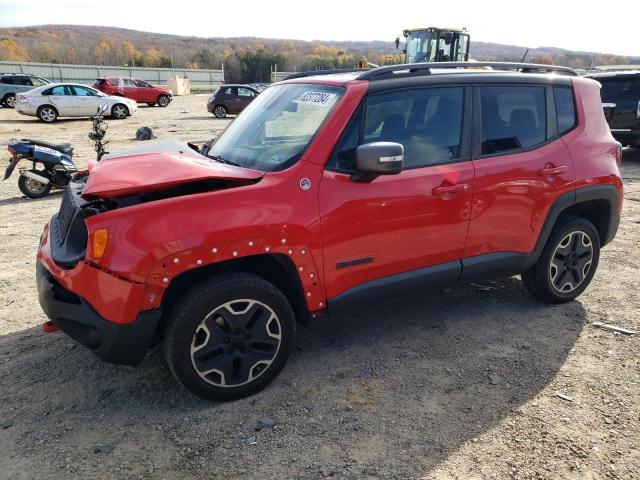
(87, 99)
(400, 224)
(144, 92)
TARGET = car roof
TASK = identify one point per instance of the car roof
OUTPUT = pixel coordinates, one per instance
(617, 74)
(244, 85)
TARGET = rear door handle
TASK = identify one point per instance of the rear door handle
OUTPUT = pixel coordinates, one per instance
(551, 170)
(457, 188)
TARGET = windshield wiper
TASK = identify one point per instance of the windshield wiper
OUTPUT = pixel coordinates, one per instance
(218, 158)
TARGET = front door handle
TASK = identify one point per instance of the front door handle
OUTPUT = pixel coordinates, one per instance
(550, 170)
(457, 188)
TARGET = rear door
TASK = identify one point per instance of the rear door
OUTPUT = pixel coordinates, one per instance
(409, 221)
(621, 101)
(230, 99)
(130, 90)
(521, 165)
(62, 97)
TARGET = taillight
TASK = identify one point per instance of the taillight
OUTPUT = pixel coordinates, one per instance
(619, 154)
(638, 111)
(12, 150)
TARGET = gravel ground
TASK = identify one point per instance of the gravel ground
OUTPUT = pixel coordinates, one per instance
(459, 384)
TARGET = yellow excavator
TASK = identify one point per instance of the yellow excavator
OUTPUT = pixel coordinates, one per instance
(433, 44)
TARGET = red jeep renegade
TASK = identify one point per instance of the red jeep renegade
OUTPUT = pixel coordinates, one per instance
(330, 190)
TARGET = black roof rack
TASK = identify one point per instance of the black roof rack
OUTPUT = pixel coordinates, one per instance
(414, 69)
(325, 72)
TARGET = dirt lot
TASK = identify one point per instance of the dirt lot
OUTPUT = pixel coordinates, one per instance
(459, 384)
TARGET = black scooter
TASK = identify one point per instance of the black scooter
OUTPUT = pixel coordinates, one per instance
(56, 160)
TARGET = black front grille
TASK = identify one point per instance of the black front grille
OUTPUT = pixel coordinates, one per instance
(66, 214)
(68, 230)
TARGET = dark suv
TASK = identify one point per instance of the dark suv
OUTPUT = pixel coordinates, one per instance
(230, 99)
(328, 192)
(12, 83)
(620, 95)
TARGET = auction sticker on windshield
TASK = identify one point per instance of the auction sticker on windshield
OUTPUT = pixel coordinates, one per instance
(319, 99)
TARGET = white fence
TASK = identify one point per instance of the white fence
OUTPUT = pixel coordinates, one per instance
(88, 73)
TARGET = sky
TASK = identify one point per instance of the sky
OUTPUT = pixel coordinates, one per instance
(570, 24)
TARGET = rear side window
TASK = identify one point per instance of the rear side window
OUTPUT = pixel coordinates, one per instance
(512, 118)
(231, 91)
(22, 81)
(565, 108)
(7, 80)
(59, 90)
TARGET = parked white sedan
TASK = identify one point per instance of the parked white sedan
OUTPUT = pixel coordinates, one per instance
(71, 100)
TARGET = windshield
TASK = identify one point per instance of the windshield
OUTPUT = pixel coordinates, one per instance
(419, 46)
(276, 128)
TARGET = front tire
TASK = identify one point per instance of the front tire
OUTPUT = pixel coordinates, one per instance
(47, 114)
(119, 111)
(32, 188)
(568, 262)
(220, 111)
(163, 100)
(229, 336)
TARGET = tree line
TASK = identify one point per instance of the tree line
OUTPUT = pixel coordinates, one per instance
(244, 59)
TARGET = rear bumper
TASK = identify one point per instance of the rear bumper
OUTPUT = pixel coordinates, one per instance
(121, 343)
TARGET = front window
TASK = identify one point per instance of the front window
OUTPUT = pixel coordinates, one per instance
(276, 128)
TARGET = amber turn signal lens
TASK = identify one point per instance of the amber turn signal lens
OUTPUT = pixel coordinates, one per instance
(100, 238)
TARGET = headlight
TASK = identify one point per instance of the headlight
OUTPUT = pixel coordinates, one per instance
(22, 99)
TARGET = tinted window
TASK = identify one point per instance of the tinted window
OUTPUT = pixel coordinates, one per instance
(427, 122)
(512, 118)
(59, 90)
(245, 92)
(83, 91)
(619, 89)
(565, 109)
(22, 81)
(343, 156)
(6, 79)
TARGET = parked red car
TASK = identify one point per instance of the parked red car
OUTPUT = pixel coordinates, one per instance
(328, 192)
(135, 89)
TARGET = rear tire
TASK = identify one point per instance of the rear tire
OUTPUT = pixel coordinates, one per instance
(568, 261)
(47, 114)
(163, 100)
(229, 336)
(119, 111)
(10, 100)
(220, 111)
(32, 188)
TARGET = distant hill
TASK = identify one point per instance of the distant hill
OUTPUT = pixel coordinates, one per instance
(245, 58)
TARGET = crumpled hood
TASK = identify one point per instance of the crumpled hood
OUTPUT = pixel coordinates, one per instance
(158, 166)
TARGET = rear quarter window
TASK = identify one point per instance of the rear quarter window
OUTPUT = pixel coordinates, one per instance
(565, 109)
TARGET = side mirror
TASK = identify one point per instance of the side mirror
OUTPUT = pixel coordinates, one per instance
(377, 158)
(397, 42)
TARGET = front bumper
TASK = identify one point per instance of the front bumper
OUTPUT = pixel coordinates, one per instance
(121, 343)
